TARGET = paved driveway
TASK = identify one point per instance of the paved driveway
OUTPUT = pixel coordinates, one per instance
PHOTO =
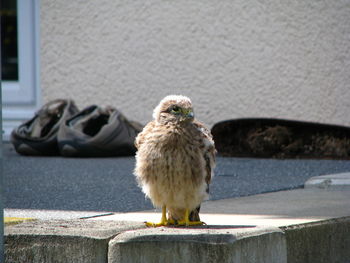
(107, 184)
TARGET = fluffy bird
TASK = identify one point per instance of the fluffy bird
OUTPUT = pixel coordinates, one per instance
(175, 160)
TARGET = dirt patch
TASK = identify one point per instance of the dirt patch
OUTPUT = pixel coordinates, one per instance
(275, 138)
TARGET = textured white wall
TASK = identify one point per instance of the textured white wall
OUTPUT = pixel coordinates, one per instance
(246, 58)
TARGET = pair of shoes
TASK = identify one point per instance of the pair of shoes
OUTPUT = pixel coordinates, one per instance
(98, 132)
(38, 136)
(59, 128)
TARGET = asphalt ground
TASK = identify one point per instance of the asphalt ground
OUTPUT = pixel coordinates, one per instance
(108, 184)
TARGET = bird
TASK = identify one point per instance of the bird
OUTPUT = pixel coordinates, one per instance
(175, 162)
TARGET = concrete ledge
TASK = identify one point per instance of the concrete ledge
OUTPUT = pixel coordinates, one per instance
(303, 225)
(321, 242)
(339, 181)
(33, 248)
(115, 241)
(205, 244)
(61, 241)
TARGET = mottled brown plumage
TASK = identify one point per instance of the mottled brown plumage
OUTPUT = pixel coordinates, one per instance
(175, 159)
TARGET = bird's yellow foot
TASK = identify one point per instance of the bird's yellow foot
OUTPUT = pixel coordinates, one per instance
(186, 221)
(151, 224)
(163, 221)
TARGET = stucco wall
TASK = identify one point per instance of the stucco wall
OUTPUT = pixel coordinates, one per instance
(235, 59)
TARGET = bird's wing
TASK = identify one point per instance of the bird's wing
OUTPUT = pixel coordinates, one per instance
(142, 135)
(208, 152)
(209, 157)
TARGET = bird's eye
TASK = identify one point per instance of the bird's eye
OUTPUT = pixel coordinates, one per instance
(175, 109)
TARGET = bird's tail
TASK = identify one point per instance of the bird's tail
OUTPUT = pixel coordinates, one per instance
(194, 215)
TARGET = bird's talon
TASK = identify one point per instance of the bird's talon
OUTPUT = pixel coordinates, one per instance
(196, 223)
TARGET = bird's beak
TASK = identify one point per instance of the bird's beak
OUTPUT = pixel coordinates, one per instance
(188, 113)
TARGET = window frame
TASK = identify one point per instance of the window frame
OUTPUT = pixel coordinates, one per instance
(21, 98)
